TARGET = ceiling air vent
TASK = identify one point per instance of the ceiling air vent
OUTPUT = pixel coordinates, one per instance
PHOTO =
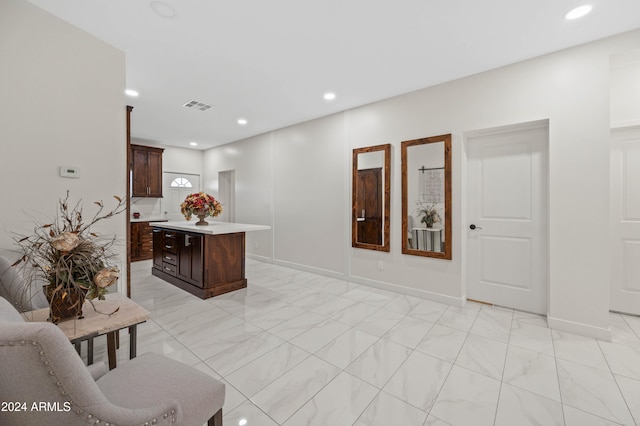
(197, 105)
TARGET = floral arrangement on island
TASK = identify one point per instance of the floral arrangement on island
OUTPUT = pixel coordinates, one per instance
(76, 262)
(429, 214)
(201, 205)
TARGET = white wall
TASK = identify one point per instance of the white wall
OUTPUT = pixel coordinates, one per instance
(62, 104)
(182, 160)
(625, 88)
(310, 163)
(252, 161)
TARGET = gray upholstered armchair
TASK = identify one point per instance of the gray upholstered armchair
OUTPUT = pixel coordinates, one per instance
(48, 384)
(13, 289)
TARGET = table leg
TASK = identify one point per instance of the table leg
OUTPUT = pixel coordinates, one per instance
(78, 346)
(133, 341)
(90, 351)
(111, 349)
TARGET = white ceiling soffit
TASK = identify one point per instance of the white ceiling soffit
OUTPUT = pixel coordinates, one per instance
(270, 62)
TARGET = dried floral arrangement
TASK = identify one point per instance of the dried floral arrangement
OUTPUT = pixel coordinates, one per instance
(68, 255)
(200, 203)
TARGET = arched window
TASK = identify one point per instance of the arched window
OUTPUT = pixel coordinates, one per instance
(181, 183)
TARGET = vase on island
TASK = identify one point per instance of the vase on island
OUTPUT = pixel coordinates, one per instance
(202, 214)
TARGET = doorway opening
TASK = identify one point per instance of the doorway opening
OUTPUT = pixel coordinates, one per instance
(227, 195)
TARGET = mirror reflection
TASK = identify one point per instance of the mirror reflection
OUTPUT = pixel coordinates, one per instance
(426, 197)
(371, 202)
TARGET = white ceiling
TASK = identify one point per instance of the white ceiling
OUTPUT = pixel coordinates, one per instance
(271, 61)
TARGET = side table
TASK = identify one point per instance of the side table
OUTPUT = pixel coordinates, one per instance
(95, 324)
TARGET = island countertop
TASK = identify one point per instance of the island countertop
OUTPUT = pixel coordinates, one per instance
(214, 228)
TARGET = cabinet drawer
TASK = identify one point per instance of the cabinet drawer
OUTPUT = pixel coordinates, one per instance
(168, 257)
(146, 246)
(168, 268)
(170, 244)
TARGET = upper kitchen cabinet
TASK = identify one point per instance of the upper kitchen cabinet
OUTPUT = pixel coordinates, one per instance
(146, 171)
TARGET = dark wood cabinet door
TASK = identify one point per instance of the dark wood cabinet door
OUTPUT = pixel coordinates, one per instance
(189, 262)
(135, 241)
(183, 267)
(197, 264)
(146, 171)
(139, 172)
(154, 177)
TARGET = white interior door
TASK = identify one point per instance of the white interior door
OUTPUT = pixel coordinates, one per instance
(507, 205)
(227, 195)
(176, 187)
(625, 220)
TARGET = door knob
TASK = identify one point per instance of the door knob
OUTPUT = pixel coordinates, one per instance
(472, 226)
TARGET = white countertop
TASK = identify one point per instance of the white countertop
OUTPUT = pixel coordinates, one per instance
(214, 228)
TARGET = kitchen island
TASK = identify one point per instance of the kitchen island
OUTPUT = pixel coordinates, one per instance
(204, 260)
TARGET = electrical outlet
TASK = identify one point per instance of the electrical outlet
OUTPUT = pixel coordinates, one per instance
(380, 265)
(255, 244)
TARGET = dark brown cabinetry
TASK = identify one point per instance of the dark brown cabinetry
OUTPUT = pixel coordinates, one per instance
(146, 171)
(202, 264)
(189, 260)
(141, 241)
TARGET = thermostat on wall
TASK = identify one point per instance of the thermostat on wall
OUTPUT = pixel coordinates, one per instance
(70, 172)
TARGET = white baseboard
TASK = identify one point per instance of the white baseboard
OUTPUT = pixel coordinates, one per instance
(579, 328)
(301, 267)
(422, 294)
(436, 297)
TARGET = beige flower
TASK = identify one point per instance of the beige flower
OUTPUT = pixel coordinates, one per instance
(106, 277)
(65, 241)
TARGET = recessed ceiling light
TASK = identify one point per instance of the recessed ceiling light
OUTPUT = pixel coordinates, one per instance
(578, 12)
(193, 143)
(242, 121)
(329, 96)
(162, 9)
(130, 92)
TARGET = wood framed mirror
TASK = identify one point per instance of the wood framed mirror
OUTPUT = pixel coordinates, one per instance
(426, 197)
(371, 201)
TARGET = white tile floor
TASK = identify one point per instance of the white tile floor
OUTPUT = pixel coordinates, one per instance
(299, 349)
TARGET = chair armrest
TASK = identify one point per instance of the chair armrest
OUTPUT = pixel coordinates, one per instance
(97, 370)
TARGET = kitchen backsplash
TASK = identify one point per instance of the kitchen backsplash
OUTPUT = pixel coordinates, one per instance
(147, 207)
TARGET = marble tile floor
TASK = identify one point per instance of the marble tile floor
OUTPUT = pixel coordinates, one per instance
(300, 349)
